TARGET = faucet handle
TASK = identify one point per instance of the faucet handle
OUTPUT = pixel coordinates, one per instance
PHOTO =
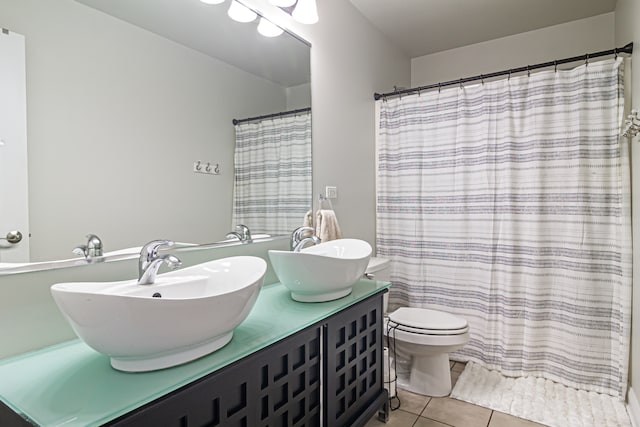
(80, 250)
(299, 233)
(150, 250)
(244, 231)
(148, 276)
(172, 261)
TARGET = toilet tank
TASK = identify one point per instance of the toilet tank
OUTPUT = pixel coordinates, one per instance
(379, 269)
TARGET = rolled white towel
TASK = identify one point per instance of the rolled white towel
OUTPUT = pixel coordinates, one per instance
(308, 219)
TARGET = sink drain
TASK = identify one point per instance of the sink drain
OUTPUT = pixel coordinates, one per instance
(157, 295)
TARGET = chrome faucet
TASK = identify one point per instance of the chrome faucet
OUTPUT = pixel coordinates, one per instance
(150, 261)
(92, 249)
(242, 233)
(299, 234)
(313, 238)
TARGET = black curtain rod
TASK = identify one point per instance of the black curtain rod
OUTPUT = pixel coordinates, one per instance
(626, 49)
(270, 116)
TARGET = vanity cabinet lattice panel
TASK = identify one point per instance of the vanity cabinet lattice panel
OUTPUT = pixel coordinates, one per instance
(353, 363)
(277, 386)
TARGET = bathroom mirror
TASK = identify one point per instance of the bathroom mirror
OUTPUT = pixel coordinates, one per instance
(124, 97)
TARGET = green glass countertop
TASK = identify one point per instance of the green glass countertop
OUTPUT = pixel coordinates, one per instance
(70, 384)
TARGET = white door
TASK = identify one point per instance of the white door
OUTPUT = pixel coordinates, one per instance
(14, 197)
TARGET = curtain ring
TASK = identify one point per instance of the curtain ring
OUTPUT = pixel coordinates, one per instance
(555, 66)
(586, 60)
(439, 87)
(528, 72)
(460, 82)
(616, 53)
(509, 78)
(482, 78)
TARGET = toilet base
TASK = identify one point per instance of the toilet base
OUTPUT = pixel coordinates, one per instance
(430, 375)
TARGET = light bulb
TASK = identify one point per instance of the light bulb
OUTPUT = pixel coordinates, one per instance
(282, 3)
(241, 13)
(212, 1)
(268, 29)
(306, 12)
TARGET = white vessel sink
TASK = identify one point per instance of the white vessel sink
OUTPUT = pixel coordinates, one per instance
(323, 272)
(193, 312)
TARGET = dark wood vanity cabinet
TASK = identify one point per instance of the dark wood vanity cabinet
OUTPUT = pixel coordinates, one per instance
(328, 374)
(339, 359)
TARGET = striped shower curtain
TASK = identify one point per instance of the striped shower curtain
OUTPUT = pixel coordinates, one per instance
(507, 203)
(272, 188)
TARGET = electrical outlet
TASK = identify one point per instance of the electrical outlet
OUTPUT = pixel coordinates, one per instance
(331, 192)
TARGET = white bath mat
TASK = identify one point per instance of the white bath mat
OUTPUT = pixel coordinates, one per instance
(539, 400)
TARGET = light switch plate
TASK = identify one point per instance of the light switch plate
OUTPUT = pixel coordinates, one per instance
(331, 192)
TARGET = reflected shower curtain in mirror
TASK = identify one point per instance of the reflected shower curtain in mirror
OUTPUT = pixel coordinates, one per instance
(272, 188)
(507, 203)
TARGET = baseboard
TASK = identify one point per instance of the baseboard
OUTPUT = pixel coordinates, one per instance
(633, 407)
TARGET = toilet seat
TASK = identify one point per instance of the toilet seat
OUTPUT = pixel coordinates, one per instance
(424, 321)
(425, 338)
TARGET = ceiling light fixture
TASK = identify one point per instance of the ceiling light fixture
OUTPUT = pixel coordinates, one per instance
(241, 13)
(212, 1)
(268, 29)
(306, 12)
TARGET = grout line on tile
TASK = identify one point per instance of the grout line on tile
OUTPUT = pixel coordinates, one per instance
(441, 422)
(490, 417)
(427, 404)
(416, 420)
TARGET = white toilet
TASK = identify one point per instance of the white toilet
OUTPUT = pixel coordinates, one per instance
(422, 337)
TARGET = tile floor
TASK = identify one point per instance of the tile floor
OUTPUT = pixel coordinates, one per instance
(423, 411)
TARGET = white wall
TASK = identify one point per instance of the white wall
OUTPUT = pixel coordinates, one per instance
(298, 97)
(533, 47)
(628, 30)
(116, 116)
(350, 60)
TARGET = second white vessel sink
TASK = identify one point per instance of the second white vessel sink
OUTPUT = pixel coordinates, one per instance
(184, 315)
(323, 272)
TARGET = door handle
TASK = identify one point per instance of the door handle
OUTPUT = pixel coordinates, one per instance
(13, 237)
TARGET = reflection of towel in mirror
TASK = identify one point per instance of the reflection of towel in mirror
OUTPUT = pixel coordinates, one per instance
(327, 227)
(308, 219)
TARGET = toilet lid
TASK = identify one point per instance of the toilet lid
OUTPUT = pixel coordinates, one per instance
(431, 320)
(376, 264)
